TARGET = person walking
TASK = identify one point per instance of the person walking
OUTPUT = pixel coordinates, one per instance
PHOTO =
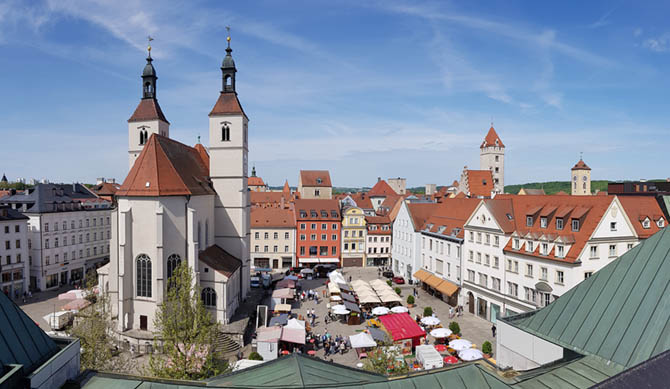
(342, 348)
(493, 330)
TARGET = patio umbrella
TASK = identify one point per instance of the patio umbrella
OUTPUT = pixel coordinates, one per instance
(380, 311)
(341, 312)
(338, 307)
(399, 309)
(430, 321)
(440, 332)
(460, 344)
(470, 354)
(450, 360)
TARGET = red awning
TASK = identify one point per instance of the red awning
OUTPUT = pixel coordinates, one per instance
(401, 326)
(293, 335)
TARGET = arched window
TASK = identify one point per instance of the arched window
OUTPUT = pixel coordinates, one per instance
(208, 296)
(225, 133)
(143, 275)
(229, 80)
(172, 262)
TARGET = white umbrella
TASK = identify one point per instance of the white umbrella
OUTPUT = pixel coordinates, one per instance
(470, 354)
(380, 311)
(341, 311)
(338, 307)
(335, 298)
(399, 309)
(430, 321)
(440, 332)
(460, 344)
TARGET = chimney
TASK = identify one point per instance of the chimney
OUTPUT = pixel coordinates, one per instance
(379, 179)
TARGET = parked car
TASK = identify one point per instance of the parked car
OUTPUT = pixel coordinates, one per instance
(255, 282)
(387, 274)
(398, 280)
(323, 270)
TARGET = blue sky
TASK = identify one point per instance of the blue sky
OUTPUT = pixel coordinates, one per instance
(362, 88)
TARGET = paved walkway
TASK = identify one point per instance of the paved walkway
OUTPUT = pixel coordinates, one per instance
(42, 304)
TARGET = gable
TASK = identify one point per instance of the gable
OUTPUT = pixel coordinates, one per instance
(622, 227)
(482, 218)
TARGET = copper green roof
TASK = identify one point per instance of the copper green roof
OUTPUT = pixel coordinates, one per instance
(621, 313)
(582, 372)
(22, 342)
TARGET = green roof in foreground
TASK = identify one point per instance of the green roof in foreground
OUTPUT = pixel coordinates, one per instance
(621, 313)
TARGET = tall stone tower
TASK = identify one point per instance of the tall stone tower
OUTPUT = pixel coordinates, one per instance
(492, 157)
(581, 179)
(148, 117)
(228, 150)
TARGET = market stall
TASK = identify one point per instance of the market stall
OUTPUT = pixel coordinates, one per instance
(362, 342)
(267, 342)
(403, 330)
(429, 357)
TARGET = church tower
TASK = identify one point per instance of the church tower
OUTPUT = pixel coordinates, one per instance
(492, 157)
(581, 179)
(148, 117)
(228, 150)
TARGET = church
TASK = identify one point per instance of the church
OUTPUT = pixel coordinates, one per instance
(180, 204)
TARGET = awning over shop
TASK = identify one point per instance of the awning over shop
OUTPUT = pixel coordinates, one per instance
(284, 293)
(329, 260)
(283, 308)
(421, 275)
(347, 297)
(293, 335)
(447, 288)
(352, 307)
(333, 289)
(308, 260)
(344, 287)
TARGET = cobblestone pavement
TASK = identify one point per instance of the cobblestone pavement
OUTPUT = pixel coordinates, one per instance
(473, 328)
(42, 304)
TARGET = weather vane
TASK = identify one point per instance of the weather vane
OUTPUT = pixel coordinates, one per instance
(228, 37)
(149, 39)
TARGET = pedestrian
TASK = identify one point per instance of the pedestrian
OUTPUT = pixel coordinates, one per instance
(342, 347)
(349, 278)
(240, 355)
(493, 330)
(451, 312)
(414, 292)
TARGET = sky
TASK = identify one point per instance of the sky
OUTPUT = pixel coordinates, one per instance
(365, 89)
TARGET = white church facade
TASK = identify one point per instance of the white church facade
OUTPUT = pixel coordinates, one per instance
(180, 204)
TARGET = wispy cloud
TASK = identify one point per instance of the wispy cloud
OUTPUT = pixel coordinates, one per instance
(603, 20)
(659, 44)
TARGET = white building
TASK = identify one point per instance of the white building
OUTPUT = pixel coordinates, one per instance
(272, 238)
(522, 252)
(181, 204)
(407, 225)
(379, 240)
(68, 232)
(13, 252)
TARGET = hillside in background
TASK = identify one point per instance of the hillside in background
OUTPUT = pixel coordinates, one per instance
(552, 187)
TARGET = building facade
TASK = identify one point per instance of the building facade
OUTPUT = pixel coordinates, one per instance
(68, 232)
(406, 253)
(14, 255)
(379, 242)
(354, 235)
(315, 184)
(492, 158)
(272, 238)
(318, 234)
(581, 179)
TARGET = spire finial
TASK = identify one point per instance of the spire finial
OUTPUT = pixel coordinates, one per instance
(149, 39)
(228, 37)
(581, 155)
(198, 138)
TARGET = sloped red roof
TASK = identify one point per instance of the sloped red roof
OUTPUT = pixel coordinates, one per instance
(640, 207)
(401, 326)
(330, 206)
(581, 165)
(381, 188)
(362, 200)
(148, 109)
(220, 260)
(491, 138)
(286, 189)
(104, 189)
(272, 217)
(420, 212)
(452, 215)
(255, 181)
(480, 182)
(312, 177)
(166, 167)
(204, 155)
(260, 198)
(455, 184)
(227, 104)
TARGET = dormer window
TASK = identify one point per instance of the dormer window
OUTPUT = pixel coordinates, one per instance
(559, 224)
(516, 243)
(324, 214)
(560, 251)
(575, 225)
(318, 181)
(529, 221)
(543, 222)
(529, 246)
(660, 223)
(646, 223)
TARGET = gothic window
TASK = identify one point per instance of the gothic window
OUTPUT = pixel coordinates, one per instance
(208, 296)
(172, 262)
(225, 133)
(143, 136)
(143, 275)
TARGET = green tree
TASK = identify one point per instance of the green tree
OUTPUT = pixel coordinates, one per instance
(487, 348)
(187, 330)
(386, 359)
(410, 299)
(254, 356)
(428, 311)
(93, 327)
(398, 291)
(454, 327)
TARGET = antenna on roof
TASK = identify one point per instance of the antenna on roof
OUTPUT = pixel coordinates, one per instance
(581, 154)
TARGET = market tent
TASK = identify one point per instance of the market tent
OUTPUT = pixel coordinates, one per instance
(293, 335)
(336, 277)
(369, 299)
(278, 320)
(341, 311)
(430, 321)
(377, 334)
(401, 326)
(352, 307)
(335, 298)
(358, 283)
(344, 287)
(362, 340)
(390, 298)
(295, 323)
(286, 283)
(76, 305)
(379, 311)
(72, 294)
(366, 292)
(333, 289)
(440, 332)
(284, 293)
(268, 334)
(338, 307)
(348, 297)
(399, 309)
(460, 344)
(470, 354)
(283, 308)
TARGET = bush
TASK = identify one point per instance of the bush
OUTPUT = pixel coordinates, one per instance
(487, 348)
(454, 327)
(428, 311)
(410, 299)
(254, 356)
(397, 290)
(389, 282)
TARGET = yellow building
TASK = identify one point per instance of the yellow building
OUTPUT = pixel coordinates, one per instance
(354, 234)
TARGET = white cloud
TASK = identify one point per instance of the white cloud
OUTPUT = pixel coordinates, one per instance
(659, 44)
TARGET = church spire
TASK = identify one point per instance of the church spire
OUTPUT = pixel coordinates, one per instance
(149, 76)
(228, 69)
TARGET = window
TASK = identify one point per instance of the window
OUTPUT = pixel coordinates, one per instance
(46, 227)
(225, 133)
(334, 226)
(286, 249)
(471, 256)
(346, 246)
(593, 251)
(266, 235)
(543, 273)
(6, 229)
(496, 241)
(575, 225)
(256, 248)
(613, 226)
(324, 237)
(275, 249)
(48, 259)
(543, 222)
(472, 236)
(483, 280)
(479, 237)
(628, 246)
(496, 262)
(317, 192)
(257, 235)
(346, 234)
(302, 226)
(529, 270)
(487, 259)
(559, 277)
(560, 251)
(324, 226)
(530, 294)
(72, 223)
(545, 248)
(495, 283)
(512, 289)
(488, 239)
(302, 236)
(143, 276)
(479, 257)
(323, 250)
(208, 296)
(265, 249)
(529, 246)
(516, 243)
(471, 275)
(46, 243)
(529, 221)
(286, 235)
(612, 250)
(559, 224)
(17, 228)
(333, 250)
(588, 274)
(313, 226)
(334, 237)
(172, 262)
(7, 245)
(88, 223)
(302, 250)
(660, 223)
(312, 250)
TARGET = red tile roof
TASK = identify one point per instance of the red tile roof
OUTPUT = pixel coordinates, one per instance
(257, 198)
(330, 206)
(255, 181)
(420, 212)
(639, 208)
(148, 109)
(580, 165)
(286, 189)
(204, 155)
(449, 218)
(166, 167)
(272, 217)
(378, 221)
(381, 188)
(362, 200)
(227, 104)
(480, 183)
(491, 138)
(104, 189)
(320, 178)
